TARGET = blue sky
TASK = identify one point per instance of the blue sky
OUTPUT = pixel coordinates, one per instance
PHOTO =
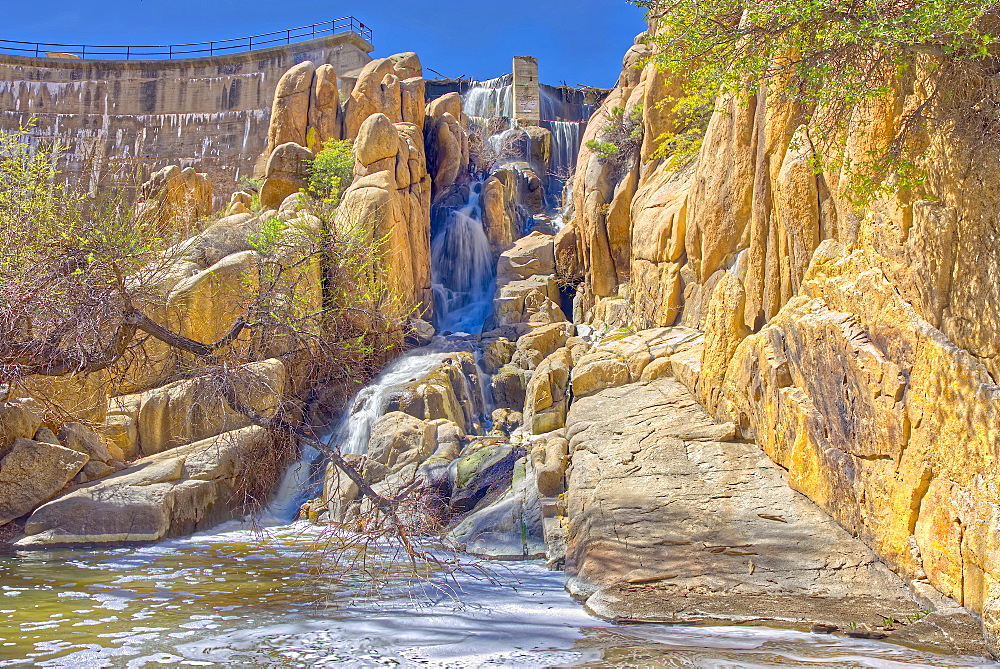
(576, 41)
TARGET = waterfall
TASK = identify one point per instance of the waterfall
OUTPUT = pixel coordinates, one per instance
(351, 436)
(564, 104)
(567, 136)
(462, 276)
(462, 269)
(491, 98)
(304, 479)
(501, 146)
(566, 139)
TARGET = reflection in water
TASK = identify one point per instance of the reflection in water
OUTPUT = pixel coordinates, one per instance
(235, 598)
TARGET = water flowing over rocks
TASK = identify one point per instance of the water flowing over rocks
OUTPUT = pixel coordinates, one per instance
(718, 394)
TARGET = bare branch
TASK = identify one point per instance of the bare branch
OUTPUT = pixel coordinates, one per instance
(40, 358)
(181, 342)
(387, 507)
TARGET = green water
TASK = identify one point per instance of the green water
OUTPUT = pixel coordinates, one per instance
(237, 598)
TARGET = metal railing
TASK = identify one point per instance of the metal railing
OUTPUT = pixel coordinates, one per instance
(193, 50)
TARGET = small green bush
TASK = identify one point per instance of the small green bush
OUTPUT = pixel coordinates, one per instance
(620, 139)
(331, 171)
(604, 150)
(265, 241)
(249, 184)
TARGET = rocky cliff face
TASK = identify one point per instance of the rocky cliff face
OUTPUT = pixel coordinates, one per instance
(857, 346)
(154, 417)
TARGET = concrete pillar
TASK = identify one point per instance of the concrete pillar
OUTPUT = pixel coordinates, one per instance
(527, 94)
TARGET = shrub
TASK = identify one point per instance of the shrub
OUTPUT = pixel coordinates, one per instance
(331, 171)
(620, 139)
(604, 150)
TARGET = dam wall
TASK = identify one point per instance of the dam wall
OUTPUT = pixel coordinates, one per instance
(208, 113)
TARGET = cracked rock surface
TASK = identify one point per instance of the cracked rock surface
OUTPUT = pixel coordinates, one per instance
(671, 520)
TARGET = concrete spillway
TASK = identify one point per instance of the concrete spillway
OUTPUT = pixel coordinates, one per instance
(209, 113)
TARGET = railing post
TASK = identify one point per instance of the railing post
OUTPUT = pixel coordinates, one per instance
(288, 37)
(128, 53)
(37, 46)
(210, 48)
(250, 48)
(170, 52)
(83, 51)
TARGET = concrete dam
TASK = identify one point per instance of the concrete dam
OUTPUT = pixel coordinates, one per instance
(210, 113)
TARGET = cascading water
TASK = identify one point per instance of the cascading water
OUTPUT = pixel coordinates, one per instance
(563, 104)
(491, 98)
(564, 112)
(235, 597)
(566, 140)
(304, 479)
(567, 136)
(351, 436)
(462, 271)
(499, 143)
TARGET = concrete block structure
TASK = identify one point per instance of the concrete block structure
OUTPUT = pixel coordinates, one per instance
(527, 92)
(209, 113)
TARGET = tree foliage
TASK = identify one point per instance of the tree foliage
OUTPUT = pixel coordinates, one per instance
(85, 280)
(331, 171)
(824, 55)
(73, 264)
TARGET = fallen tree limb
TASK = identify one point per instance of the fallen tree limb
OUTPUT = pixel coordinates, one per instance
(40, 358)
(334, 455)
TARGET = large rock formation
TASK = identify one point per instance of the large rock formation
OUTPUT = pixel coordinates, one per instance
(526, 287)
(895, 438)
(865, 364)
(450, 389)
(447, 141)
(175, 196)
(187, 411)
(384, 116)
(290, 109)
(601, 197)
(306, 108)
(393, 86)
(170, 494)
(671, 520)
(207, 283)
(305, 114)
(284, 173)
(32, 473)
(390, 200)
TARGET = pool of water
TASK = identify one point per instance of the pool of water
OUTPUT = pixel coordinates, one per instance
(236, 597)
